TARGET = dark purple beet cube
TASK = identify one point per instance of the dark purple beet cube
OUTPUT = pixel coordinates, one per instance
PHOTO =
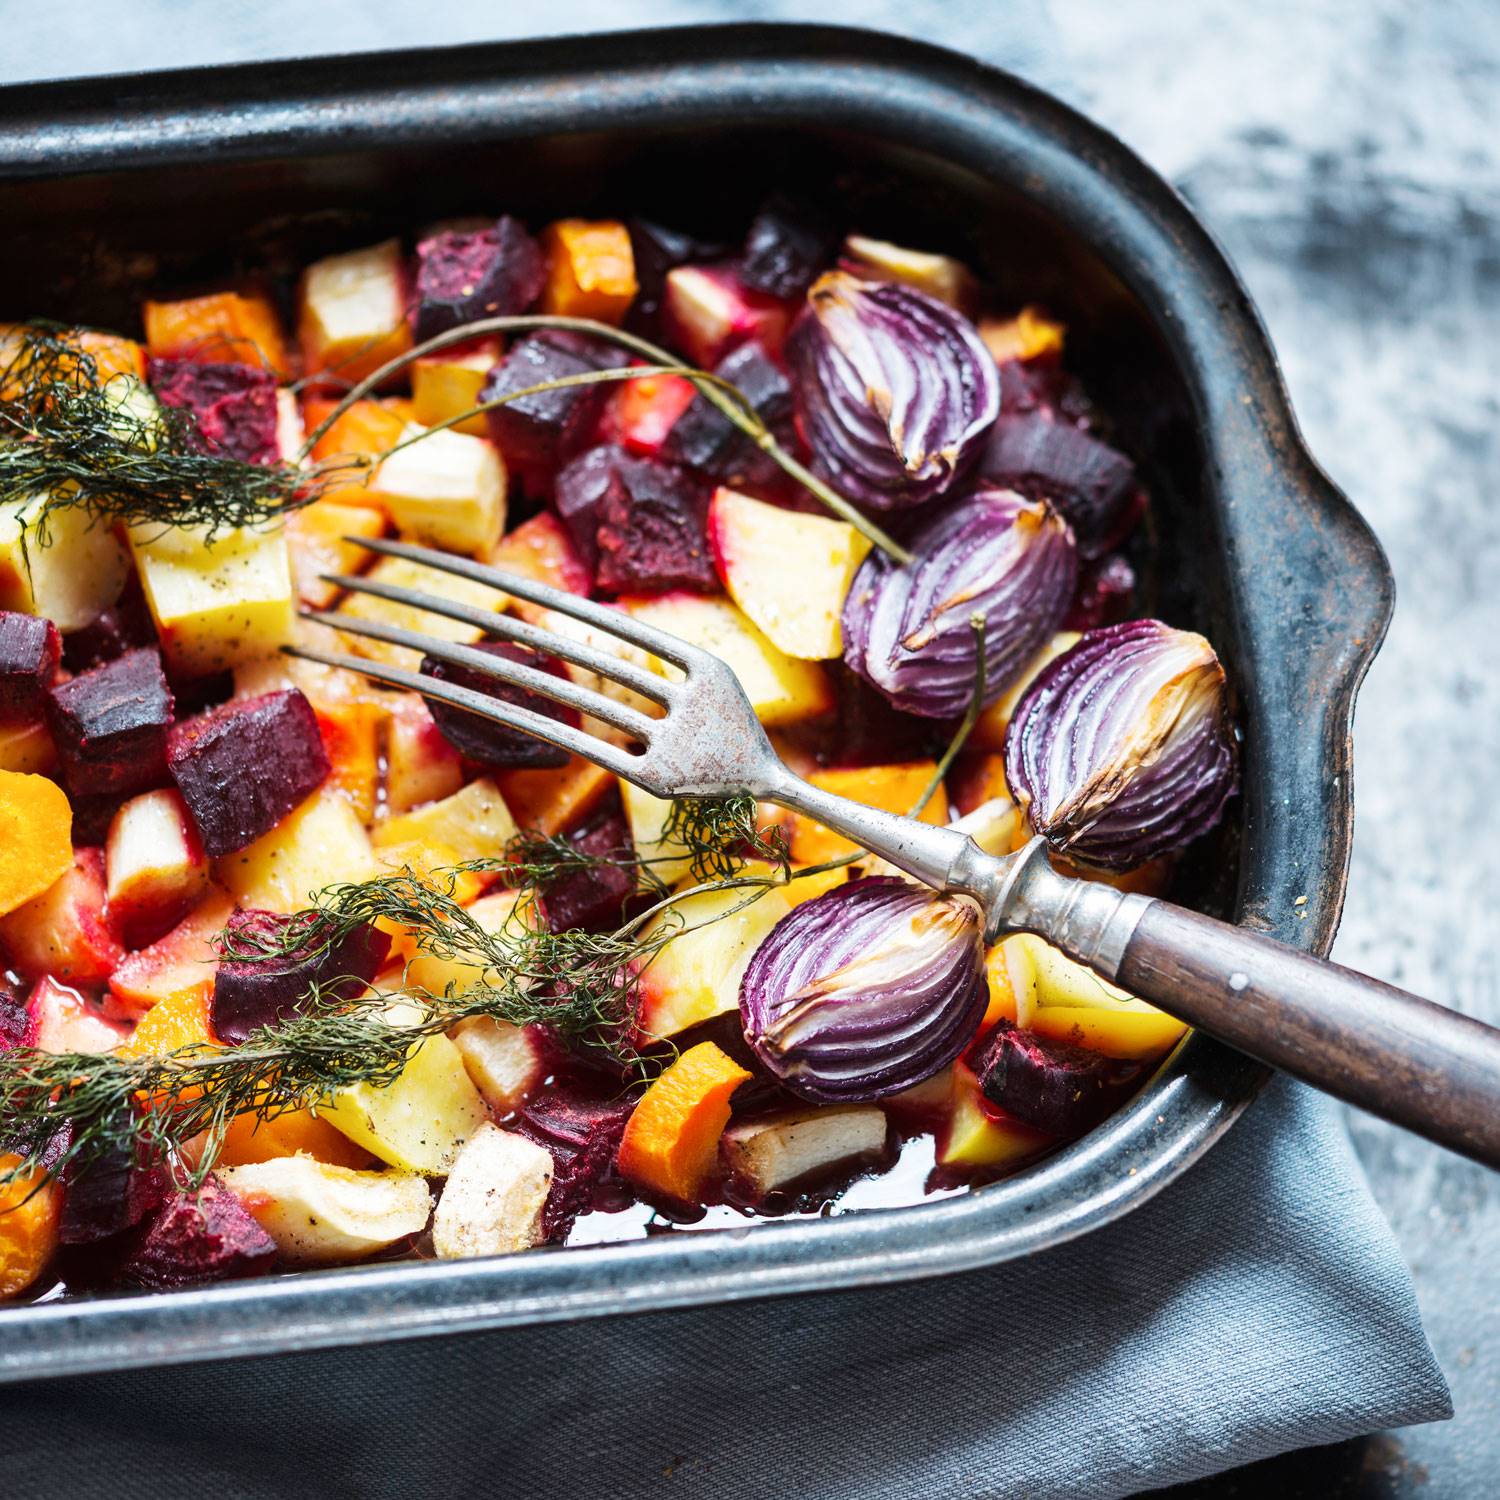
(657, 250)
(235, 405)
(493, 273)
(15, 1019)
(652, 532)
(111, 724)
(106, 1193)
(198, 1237)
(242, 767)
(583, 1136)
(483, 740)
(30, 650)
(1106, 594)
(1052, 1086)
(787, 245)
(705, 439)
(124, 625)
(578, 497)
(594, 898)
(539, 432)
(1042, 385)
(1091, 483)
(270, 963)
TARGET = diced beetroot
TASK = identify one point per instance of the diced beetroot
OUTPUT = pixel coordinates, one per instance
(707, 311)
(657, 250)
(653, 529)
(30, 649)
(1091, 483)
(242, 767)
(483, 740)
(235, 405)
(578, 498)
(540, 432)
(66, 932)
(125, 624)
(1106, 594)
(706, 440)
(1042, 385)
(787, 245)
(15, 1019)
(583, 1136)
(254, 992)
(197, 1237)
(1052, 1086)
(495, 272)
(594, 898)
(107, 1193)
(110, 725)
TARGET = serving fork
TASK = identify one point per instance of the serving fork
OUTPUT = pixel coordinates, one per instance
(1419, 1064)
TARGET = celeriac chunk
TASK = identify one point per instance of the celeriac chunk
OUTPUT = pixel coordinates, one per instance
(447, 489)
(770, 1154)
(492, 1203)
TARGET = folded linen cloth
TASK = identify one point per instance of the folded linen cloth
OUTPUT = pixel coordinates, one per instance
(1256, 1305)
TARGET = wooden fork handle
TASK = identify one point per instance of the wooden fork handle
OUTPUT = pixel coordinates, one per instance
(1431, 1069)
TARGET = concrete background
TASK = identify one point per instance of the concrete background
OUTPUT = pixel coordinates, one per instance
(1348, 157)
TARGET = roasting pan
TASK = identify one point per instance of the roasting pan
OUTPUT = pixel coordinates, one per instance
(113, 186)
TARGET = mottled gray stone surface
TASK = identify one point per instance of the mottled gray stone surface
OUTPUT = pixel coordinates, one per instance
(1348, 156)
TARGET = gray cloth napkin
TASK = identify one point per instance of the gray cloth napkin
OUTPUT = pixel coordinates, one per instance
(1256, 1305)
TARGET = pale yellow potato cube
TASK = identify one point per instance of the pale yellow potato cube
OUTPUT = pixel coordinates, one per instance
(69, 567)
(318, 844)
(474, 823)
(216, 603)
(420, 1121)
(447, 490)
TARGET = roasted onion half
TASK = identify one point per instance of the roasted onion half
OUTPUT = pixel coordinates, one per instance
(1123, 749)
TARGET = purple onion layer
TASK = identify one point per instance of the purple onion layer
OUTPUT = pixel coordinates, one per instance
(865, 990)
(895, 393)
(1123, 749)
(908, 630)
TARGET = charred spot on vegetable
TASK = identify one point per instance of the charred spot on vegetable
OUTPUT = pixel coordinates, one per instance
(30, 650)
(111, 724)
(484, 741)
(242, 767)
(1051, 1085)
(272, 964)
(495, 271)
(234, 405)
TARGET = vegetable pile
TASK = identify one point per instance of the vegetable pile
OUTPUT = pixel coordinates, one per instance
(297, 970)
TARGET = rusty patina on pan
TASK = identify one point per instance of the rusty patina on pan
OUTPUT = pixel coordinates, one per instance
(112, 186)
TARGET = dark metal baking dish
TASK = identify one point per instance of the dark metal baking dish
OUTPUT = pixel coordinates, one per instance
(111, 186)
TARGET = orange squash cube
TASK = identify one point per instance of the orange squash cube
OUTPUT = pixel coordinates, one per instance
(351, 736)
(671, 1140)
(551, 802)
(223, 327)
(30, 1211)
(590, 270)
(896, 788)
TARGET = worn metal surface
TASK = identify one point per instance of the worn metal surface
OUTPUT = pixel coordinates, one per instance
(1298, 605)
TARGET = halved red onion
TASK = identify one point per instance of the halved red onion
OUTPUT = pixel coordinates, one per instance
(908, 629)
(895, 393)
(865, 990)
(1123, 749)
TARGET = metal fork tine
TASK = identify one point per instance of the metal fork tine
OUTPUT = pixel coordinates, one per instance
(544, 684)
(564, 736)
(612, 621)
(626, 673)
